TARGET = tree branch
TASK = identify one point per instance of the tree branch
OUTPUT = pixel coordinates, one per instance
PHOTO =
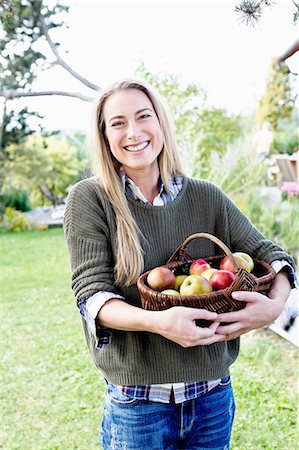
(60, 61)
(10, 95)
(290, 52)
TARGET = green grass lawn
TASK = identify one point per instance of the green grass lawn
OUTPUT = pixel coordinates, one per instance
(51, 393)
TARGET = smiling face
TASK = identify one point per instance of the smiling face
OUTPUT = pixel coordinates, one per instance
(133, 131)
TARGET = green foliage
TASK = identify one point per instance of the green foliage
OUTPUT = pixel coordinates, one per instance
(51, 160)
(279, 99)
(233, 169)
(16, 127)
(199, 130)
(51, 393)
(217, 131)
(185, 101)
(15, 198)
(286, 137)
(277, 221)
(13, 220)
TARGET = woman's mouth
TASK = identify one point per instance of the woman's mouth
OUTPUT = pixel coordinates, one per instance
(137, 147)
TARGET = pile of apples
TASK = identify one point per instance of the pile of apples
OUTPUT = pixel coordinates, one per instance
(202, 277)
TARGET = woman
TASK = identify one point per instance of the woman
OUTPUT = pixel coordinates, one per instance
(168, 383)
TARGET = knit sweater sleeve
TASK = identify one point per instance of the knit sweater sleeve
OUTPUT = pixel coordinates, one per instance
(242, 235)
(89, 227)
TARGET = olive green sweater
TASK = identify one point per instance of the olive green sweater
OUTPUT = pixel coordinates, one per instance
(134, 358)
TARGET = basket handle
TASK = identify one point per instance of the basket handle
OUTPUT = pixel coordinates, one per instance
(182, 248)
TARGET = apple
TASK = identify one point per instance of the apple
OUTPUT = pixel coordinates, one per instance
(247, 258)
(208, 273)
(198, 266)
(170, 292)
(161, 278)
(227, 263)
(222, 279)
(178, 281)
(195, 284)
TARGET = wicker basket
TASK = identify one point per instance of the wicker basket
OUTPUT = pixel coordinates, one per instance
(218, 301)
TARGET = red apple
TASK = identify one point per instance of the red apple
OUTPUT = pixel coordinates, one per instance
(222, 279)
(198, 266)
(161, 278)
(227, 263)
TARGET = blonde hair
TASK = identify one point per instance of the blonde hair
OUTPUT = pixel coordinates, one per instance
(129, 262)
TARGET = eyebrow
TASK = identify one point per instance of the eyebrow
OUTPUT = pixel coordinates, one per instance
(137, 112)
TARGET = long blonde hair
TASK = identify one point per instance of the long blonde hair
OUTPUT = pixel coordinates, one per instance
(129, 261)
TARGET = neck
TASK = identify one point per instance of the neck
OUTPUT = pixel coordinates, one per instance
(148, 182)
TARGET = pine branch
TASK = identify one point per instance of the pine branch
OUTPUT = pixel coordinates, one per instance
(296, 13)
(250, 11)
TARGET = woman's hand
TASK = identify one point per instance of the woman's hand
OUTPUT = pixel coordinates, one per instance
(178, 324)
(259, 311)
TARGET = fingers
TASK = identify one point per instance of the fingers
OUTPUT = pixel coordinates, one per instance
(203, 314)
(214, 326)
(234, 316)
(228, 329)
(212, 339)
(247, 296)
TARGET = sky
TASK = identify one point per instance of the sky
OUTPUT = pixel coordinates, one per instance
(200, 41)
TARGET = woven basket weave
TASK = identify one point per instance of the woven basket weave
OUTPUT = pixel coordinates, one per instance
(218, 301)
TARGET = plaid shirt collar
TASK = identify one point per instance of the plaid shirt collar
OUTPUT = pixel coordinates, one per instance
(165, 195)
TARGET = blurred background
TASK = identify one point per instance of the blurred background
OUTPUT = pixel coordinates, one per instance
(229, 72)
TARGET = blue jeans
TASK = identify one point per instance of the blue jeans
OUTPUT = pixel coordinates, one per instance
(202, 423)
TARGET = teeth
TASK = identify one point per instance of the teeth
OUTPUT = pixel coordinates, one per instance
(136, 148)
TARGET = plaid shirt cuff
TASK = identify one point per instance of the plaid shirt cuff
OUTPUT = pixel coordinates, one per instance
(89, 309)
(282, 265)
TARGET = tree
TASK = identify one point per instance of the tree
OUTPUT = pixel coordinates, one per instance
(26, 25)
(279, 99)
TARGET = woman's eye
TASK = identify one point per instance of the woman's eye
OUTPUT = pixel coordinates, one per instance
(117, 124)
(144, 116)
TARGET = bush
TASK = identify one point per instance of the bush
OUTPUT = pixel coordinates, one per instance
(13, 220)
(16, 199)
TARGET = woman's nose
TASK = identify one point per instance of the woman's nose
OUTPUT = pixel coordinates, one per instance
(134, 132)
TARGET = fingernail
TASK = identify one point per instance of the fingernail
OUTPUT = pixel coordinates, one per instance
(235, 295)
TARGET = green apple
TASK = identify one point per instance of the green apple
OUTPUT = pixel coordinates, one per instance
(194, 285)
(170, 292)
(208, 273)
(178, 281)
(248, 259)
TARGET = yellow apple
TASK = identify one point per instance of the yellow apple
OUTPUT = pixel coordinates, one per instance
(208, 273)
(178, 281)
(248, 259)
(195, 284)
(170, 292)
